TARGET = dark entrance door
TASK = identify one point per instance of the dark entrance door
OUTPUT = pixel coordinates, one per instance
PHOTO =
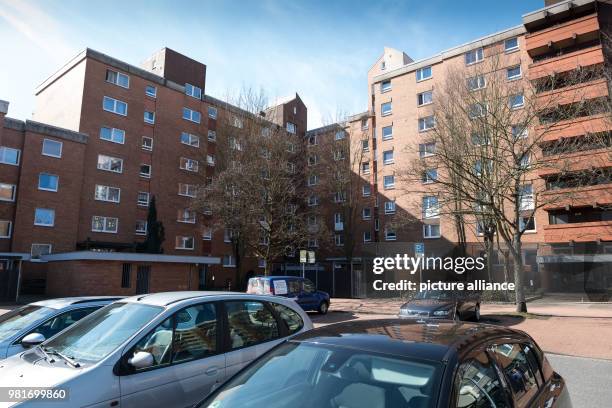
(142, 279)
(9, 280)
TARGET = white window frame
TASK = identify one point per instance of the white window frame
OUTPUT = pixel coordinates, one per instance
(145, 174)
(481, 82)
(141, 231)
(118, 75)
(522, 104)
(514, 77)
(420, 96)
(340, 135)
(143, 203)
(105, 221)
(186, 216)
(210, 160)
(388, 161)
(10, 229)
(116, 103)
(212, 136)
(13, 188)
(193, 91)
(40, 224)
(384, 112)
(366, 213)
(190, 114)
(390, 234)
(48, 189)
(420, 73)
(427, 231)
(390, 207)
(389, 136)
(57, 142)
(478, 55)
(192, 140)
(430, 211)
(113, 135)
(313, 180)
(184, 239)
(426, 179)
(149, 94)
(144, 146)
(291, 128)
(365, 167)
(184, 190)
(389, 186)
(423, 151)
(511, 49)
(367, 238)
(339, 240)
(207, 234)
(150, 121)
(384, 88)
(523, 225)
(212, 112)
(40, 252)
(105, 196)
(424, 124)
(188, 164)
(3, 150)
(231, 261)
(366, 190)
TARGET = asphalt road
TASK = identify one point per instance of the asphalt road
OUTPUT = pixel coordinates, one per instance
(589, 380)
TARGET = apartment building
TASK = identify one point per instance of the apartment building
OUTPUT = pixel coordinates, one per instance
(77, 180)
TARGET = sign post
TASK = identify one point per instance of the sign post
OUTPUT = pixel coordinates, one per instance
(303, 259)
(419, 251)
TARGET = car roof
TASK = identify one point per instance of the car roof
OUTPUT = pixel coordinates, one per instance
(61, 303)
(167, 298)
(430, 340)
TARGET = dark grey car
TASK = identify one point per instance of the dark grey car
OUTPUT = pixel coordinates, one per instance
(437, 304)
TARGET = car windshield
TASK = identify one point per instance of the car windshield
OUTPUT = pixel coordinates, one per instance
(435, 295)
(19, 319)
(99, 334)
(327, 376)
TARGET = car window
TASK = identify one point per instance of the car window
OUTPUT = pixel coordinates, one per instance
(479, 386)
(293, 286)
(518, 373)
(532, 359)
(289, 317)
(309, 287)
(250, 322)
(58, 323)
(14, 321)
(195, 335)
(158, 342)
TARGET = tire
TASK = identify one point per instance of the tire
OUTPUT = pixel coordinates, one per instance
(323, 308)
(457, 315)
(477, 312)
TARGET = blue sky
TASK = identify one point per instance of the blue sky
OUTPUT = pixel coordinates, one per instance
(321, 49)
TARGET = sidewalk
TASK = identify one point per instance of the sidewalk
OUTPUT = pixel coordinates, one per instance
(538, 307)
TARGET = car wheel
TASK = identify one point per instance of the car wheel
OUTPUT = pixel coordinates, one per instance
(323, 308)
(457, 315)
(477, 313)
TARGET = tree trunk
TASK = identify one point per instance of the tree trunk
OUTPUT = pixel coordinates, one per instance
(517, 259)
(489, 252)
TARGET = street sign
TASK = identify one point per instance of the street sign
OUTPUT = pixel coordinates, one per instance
(419, 249)
(303, 255)
(311, 257)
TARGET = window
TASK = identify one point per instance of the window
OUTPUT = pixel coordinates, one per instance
(479, 385)
(340, 196)
(212, 136)
(365, 145)
(237, 122)
(149, 117)
(385, 109)
(190, 140)
(207, 234)
(126, 273)
(313, 180)
(376, 224)
(186, 215)
(151, 91)
(44, 217)
(366, 190)
(291, 128)
(189, 164)
(52, 148)
(229, 261)
(145, 170)
(107, 193)
(474, 56)
(112, 135)
(141, 227)
(313, 201)
(519, 132)
(339, 239)
(114, 106)
(525, 161)
(526, 201)
(143, 198)
(431, 231)
(477, 110)
(425, 98)
(313, 159)
(385, 86)
(476, 83)
(429, 176)
(210, 160)
(48, 182)
(117, 78)
(511, 44)
(40, 249)
(427, 149)
(426, 123)
(387, 132)
(367, 236)
(388, 157)
(430, 207)
(185, 243)
(423, 73)
(340, 135)
(513, 72)
(313, 243)
(383, 65)
(312, 140)
(193, 91)
(365, 168)
(9, 155)
(187, 190)
(147, 143)
(291, 320)
(517, 101)
(250, 323)
(212, 112)
(527, 224)
(389, 207)
(389, 182)
(339, 155)
(5, 228)
(516, 366)
(480, 139)
(104, 224)
(191, 115)
(390, 234)
(364, 124)
(110, 163)
(7, 192)
(366, 213)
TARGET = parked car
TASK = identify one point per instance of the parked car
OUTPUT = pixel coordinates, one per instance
(302, 290)
(398, 363)
(32, 324)
(440, 304)
(158, 350)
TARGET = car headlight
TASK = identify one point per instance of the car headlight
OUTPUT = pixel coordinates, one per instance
(442, 312)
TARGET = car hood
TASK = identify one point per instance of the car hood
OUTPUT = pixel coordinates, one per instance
(427, 305)
(29, 370)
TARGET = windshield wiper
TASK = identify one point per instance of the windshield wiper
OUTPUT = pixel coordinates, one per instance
(71, 361)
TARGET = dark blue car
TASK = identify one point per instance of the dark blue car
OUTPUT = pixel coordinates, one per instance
(301, 289)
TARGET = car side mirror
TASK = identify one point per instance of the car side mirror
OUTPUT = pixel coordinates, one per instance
(141, 359)
(32, 340)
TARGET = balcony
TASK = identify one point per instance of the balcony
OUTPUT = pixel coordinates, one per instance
(590, 196)
(575, 127)
(572, 162)
(583, 58)
(571, 94)
(564, 35)
(578, 232)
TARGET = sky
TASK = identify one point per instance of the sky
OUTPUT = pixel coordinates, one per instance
(320, 49)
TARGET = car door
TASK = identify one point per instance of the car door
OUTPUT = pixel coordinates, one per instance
(252, 329)
(478, 384)
(187, 360)
(308, 295)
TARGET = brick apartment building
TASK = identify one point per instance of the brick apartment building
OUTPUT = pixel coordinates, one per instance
(106, 136)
